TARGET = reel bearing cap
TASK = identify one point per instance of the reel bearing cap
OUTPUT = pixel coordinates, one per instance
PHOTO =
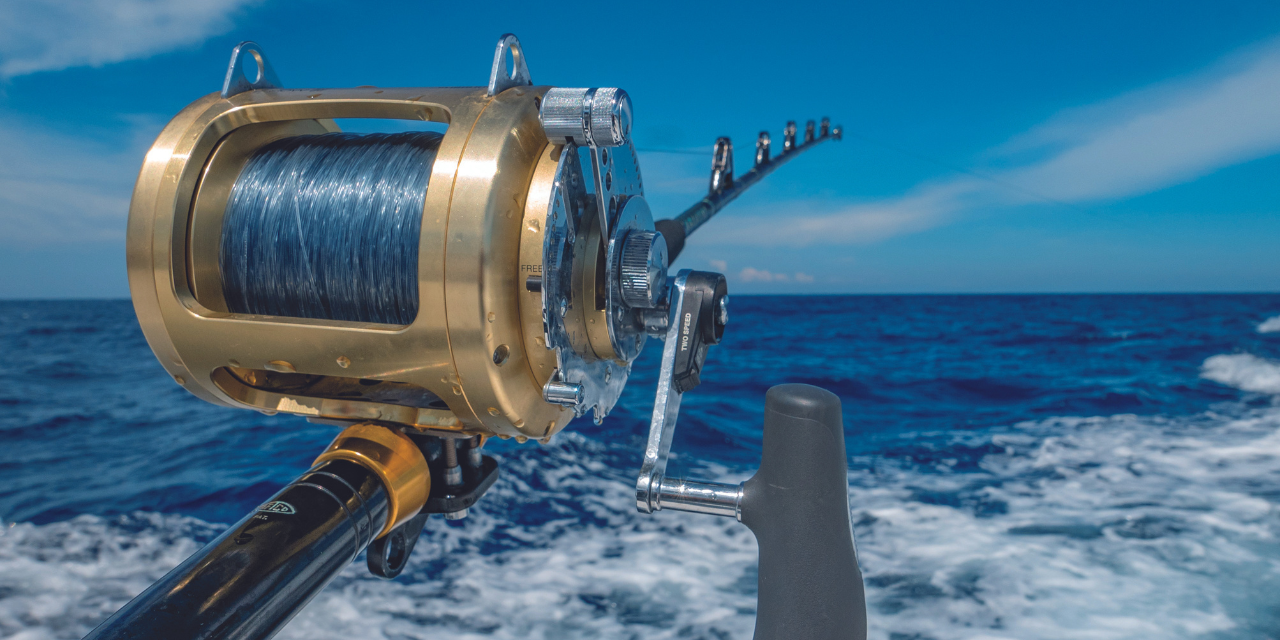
(391, 456)
(642, 276)
(587, 117)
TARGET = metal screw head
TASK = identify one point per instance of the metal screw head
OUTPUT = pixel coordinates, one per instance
(642, 273)
(565, 394)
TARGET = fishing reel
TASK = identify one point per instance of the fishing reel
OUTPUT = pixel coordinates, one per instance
(464, 350)
(534, 279)
(496, 276)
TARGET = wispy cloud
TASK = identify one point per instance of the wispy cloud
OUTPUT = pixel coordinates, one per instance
(40, 35)
(56, 188)
(1139, 142)
(751, 274)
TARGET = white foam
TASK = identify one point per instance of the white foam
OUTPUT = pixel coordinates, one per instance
(60, 580)
(1113, 528)
(1243, 371)
(1270, 325)
(1158, 534)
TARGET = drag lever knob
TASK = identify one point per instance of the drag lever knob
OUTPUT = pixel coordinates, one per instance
(642, 274)
(590, 117)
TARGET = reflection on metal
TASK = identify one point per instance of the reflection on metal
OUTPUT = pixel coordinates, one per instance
(394, 458)
(591, 328)
(666, 407)
(721, 166)
(712, 498)
(762, 148)
(500, 79)
(597, 119)
(697, 313)
(238, 82)
(642, 271)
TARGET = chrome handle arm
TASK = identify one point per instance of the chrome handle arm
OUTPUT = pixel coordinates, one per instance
(698, 314)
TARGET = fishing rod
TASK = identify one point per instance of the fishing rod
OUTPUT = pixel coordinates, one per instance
(428, 291)
(725, 189)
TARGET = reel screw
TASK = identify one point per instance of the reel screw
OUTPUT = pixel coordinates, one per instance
(473, 452)
(453, 474)
(565, 394)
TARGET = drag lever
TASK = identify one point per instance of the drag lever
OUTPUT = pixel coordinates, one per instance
(698, 314)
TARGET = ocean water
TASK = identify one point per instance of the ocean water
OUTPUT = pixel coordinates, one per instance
(1020, 467)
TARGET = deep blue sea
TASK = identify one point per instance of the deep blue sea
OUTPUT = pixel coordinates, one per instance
(1020, 467)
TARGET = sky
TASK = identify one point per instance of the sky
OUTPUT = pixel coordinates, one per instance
(990, 147)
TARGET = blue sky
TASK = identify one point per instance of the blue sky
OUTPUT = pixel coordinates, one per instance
(991, 147)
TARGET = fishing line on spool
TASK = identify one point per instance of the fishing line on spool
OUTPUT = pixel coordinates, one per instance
(327, 226)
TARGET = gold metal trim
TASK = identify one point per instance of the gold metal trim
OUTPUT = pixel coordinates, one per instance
(474, 342)
(395, 459)
(541, 360)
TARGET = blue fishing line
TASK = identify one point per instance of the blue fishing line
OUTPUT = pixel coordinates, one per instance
(326, 226)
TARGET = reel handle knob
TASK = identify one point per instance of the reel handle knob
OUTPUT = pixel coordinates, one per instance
(797, 505)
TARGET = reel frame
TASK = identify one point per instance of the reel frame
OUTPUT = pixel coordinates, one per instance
(473, 345)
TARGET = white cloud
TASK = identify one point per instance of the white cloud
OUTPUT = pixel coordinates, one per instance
(719, 265)
(751, 274)
(39, 35)
(1136, 143)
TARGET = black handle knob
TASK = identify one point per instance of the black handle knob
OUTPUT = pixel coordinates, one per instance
(797, 505)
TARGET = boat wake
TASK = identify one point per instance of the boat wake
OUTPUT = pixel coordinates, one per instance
(1099, 522)
(1120, 526)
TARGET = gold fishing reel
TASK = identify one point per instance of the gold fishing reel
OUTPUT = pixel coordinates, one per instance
(536, 258)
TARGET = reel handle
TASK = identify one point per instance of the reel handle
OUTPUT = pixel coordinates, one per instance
(797, 505)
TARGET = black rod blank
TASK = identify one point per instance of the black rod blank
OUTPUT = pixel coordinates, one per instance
(250, 581)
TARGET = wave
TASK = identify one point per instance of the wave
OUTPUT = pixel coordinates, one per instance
(1109, 527)
(1116, 527)
(60, 580)
(1270, 325)
(1243, 371)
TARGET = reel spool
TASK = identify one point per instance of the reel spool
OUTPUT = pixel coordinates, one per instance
(488, 281)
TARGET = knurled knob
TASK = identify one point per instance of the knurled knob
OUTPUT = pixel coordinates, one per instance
(642, 274)
(599, 116)
(610, 117)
